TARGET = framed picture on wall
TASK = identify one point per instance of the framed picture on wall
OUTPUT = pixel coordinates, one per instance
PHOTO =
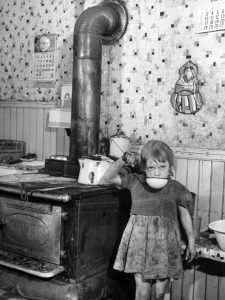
(44, 58)
(66, 95)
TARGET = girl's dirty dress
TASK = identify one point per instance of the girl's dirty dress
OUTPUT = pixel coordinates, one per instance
(151, 240)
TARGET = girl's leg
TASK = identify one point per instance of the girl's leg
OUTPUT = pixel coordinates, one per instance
(143, 287)
(153, 290)
(160, 289)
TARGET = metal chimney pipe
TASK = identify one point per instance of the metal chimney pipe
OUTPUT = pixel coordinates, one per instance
(97, 25)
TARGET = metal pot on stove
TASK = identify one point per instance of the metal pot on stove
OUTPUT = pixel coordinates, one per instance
(92, 169)
(119, 144)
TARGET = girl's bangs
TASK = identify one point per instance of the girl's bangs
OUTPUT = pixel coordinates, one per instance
(158, 155)
(157, 151)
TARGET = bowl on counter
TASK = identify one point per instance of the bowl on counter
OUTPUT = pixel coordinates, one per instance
(219, 231)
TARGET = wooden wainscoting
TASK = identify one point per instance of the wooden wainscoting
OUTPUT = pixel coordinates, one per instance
(28, 121)
(202, 171)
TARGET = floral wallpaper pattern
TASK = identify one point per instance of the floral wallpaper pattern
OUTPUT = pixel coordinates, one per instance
(138, 73)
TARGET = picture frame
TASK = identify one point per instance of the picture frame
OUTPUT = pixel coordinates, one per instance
(66, 95)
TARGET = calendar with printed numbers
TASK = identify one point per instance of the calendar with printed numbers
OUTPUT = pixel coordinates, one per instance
(210, 15)
(44, 58)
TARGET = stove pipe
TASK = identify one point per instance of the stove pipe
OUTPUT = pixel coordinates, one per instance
(97, 25)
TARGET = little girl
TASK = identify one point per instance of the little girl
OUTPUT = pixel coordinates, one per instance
(150, 245)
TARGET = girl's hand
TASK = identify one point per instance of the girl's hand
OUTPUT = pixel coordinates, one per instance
(186, 221)
(190, 254)
(129, 158)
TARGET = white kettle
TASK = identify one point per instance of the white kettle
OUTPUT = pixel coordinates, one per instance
(92, 169)
(119, 144)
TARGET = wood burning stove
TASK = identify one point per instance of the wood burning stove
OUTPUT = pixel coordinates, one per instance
(59, 238)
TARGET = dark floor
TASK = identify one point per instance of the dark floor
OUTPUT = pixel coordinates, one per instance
(4, 295)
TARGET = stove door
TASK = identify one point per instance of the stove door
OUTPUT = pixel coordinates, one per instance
(30, 229)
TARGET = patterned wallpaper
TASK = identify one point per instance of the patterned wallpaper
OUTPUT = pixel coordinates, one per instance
(138, 73)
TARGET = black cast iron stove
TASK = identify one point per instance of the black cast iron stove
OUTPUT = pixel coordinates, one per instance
(58, 237)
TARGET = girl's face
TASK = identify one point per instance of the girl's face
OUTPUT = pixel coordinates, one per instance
(157, 169)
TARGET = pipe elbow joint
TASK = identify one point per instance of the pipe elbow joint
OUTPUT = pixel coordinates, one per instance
(108, 19)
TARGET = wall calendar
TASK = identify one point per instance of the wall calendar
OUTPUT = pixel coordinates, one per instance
(210, 15)
(44, 58)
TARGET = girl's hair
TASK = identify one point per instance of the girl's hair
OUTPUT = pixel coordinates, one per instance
(157, 151)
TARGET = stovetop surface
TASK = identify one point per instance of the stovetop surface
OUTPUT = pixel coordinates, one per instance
(42, 185)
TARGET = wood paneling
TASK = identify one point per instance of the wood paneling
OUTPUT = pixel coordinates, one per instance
(202, 171)
(28, 121)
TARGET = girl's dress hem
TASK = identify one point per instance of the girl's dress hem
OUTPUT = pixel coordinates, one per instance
(150, 245)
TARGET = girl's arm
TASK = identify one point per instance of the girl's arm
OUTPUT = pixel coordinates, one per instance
(188, 227)
(111, 175)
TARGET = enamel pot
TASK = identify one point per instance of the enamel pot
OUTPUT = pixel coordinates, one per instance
(119, 144)
(91, 171)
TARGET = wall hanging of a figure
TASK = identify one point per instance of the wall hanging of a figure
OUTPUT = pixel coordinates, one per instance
(186, 98)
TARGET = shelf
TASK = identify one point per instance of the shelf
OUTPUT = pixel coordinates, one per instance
(208, 248)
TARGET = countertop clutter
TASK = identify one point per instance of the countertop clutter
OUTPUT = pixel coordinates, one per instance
(20, 168)
(13, 159)
(207, 247)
